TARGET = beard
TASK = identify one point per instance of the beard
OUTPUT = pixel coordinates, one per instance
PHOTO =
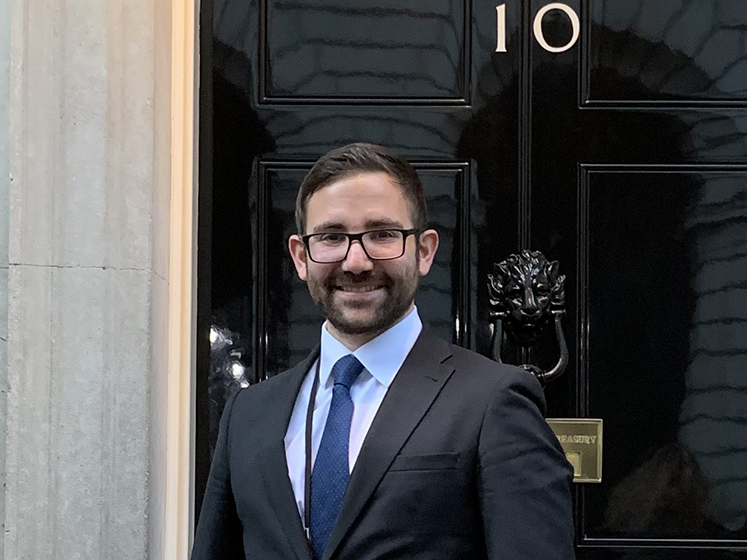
(366, 317)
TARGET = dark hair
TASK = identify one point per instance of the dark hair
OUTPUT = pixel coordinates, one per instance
(363, 158)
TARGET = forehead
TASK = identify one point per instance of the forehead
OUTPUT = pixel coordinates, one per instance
(356, 201)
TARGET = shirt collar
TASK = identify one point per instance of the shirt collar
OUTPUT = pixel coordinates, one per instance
(382, 357)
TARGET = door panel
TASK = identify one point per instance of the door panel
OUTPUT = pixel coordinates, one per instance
(624, 157)
(667, 370)
(385, 51)
(676, 51)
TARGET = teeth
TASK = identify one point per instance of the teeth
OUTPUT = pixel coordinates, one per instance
(358, 288)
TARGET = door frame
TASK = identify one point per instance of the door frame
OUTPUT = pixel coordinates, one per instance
(178, 449)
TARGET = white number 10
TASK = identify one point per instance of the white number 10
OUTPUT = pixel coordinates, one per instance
(500, 35)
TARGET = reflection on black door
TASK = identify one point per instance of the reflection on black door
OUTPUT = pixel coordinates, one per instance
(624, 157)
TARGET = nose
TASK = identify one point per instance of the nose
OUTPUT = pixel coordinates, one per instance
(357, 261)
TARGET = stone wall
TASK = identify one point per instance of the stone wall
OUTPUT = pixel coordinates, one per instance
(4, 189)
(87, 277)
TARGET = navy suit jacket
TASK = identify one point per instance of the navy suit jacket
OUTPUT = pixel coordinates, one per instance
(459, 463)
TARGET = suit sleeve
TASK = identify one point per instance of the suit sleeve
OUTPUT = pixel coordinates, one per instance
(524, 477)
(219, 532)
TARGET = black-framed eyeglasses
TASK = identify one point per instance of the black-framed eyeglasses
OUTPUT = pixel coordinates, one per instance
(378, 244)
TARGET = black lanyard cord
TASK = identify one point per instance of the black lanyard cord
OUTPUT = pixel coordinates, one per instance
(307, 474)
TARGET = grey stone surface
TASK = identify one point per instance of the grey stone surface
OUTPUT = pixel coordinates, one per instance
(87, 293)
(158, 418)
(4, 136)
(78, 422)
(82, 134)
(3, 310)
(161, 180)
(4, 230)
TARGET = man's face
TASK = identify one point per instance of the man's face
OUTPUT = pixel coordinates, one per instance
(361, 296)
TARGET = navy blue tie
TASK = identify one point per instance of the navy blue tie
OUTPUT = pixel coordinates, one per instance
(329, 478)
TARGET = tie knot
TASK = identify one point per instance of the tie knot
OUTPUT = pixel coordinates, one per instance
(346, 370)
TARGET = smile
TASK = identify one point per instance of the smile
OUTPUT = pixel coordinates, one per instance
(358, 289)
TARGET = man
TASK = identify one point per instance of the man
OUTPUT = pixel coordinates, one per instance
(386, 442)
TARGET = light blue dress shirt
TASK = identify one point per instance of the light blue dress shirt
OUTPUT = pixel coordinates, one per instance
(382, 358)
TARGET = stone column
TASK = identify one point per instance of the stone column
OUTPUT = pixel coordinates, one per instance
(4, 188)
(87, 278)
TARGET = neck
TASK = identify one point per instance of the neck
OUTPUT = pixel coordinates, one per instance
(354, 341)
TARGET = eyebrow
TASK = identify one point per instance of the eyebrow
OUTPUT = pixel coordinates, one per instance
(370, 224)
(329, 226)
(384, 223)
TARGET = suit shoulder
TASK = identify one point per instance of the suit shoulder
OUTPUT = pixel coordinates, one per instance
(259, 400)
(489, 381)
(469, 362)
(469, 359)
(265, 387)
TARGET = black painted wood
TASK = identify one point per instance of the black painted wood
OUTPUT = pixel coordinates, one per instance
(625, 158)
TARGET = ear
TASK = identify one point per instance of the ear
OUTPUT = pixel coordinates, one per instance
(427, 250)
(298, 253)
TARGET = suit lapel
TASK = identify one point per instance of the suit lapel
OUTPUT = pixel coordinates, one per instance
(274, 466)
(411, 394)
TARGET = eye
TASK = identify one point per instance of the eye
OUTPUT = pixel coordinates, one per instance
(331, 238)
(383, 235)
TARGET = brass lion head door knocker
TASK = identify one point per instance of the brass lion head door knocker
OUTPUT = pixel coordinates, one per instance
(527, 294)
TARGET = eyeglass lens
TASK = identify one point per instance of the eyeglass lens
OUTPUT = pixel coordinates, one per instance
(333, 247)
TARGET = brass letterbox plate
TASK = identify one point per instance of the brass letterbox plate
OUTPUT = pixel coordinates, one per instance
(581, 439)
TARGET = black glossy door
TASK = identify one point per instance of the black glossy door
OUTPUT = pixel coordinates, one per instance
(624, 157)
